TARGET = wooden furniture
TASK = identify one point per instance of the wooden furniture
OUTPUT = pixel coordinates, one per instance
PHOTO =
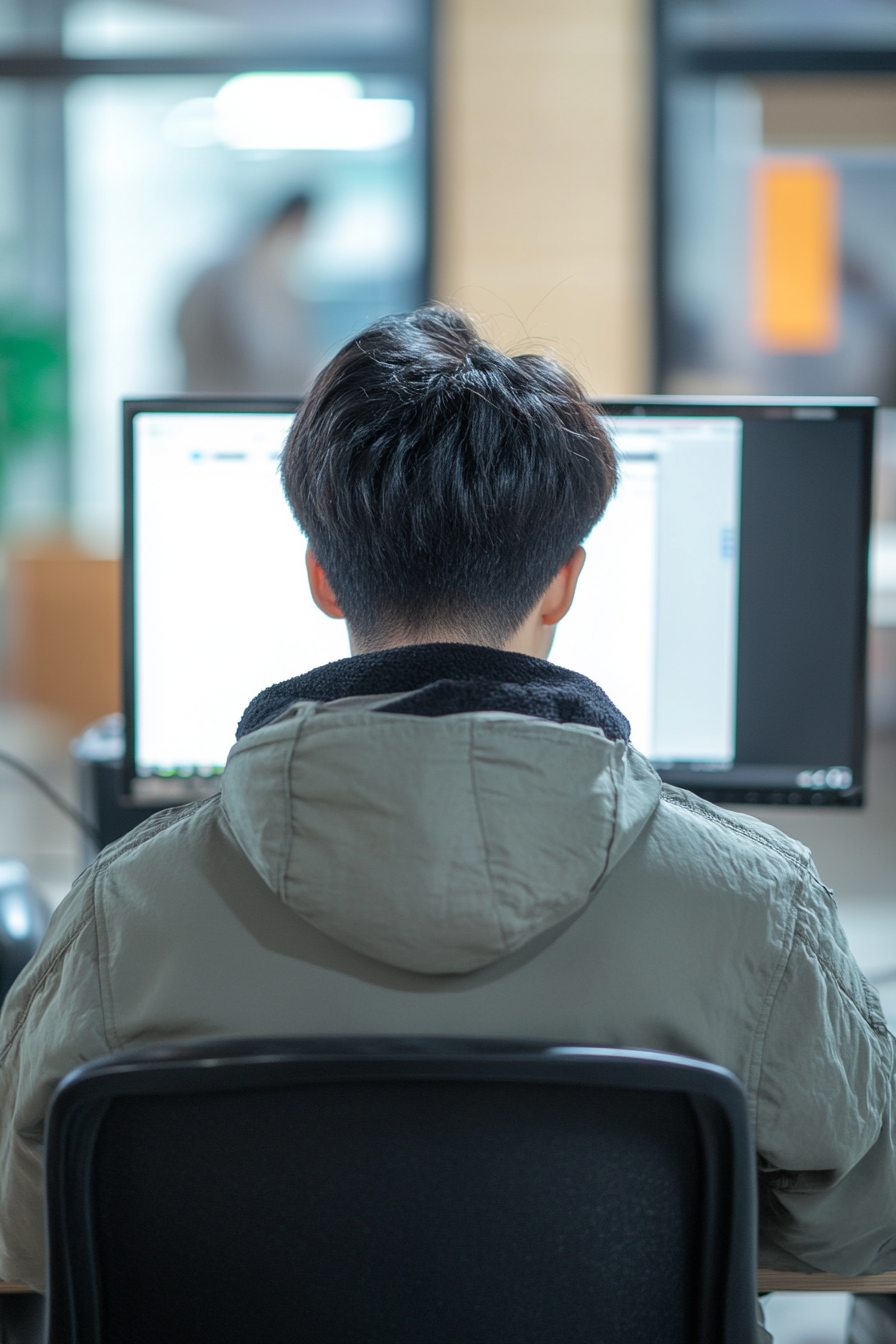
(64, 632)
(773, 1281)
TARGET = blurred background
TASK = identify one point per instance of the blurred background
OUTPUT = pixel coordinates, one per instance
(682, 196)
(160, 233)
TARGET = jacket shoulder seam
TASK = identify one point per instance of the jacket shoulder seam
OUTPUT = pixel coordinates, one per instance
(764, 1017)
(42, 980)
(799, 935)
(103, 976)
(153, 827)
(776, 982)
(737, 828)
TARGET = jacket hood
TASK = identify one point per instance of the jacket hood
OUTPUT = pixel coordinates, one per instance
(434, 844)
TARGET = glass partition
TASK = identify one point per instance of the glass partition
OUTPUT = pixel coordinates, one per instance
(775, 245)
(776, 254)
(201, 197)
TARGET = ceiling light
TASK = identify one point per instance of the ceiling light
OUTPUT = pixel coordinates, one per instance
(308, 111)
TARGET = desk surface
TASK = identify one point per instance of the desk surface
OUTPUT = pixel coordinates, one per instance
(770, 1281)
(774, 1281)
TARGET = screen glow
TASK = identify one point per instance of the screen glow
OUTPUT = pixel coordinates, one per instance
(222, 607)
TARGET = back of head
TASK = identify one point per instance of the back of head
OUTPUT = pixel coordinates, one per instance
(442, 484)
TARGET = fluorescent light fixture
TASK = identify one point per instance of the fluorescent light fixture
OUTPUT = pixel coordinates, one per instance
(308, 111)
(286, 111)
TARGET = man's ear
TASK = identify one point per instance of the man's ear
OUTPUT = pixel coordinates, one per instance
(323, 594)
(558, 598)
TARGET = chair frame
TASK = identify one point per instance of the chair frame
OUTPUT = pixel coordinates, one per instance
(225, 1065)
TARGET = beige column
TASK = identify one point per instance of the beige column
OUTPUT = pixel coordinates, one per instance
(542, 179)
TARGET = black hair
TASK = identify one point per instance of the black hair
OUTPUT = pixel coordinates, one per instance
(442, 484)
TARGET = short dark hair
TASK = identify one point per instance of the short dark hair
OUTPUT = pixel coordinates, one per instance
(442, 484)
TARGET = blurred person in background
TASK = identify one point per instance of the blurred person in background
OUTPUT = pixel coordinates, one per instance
(242, 329)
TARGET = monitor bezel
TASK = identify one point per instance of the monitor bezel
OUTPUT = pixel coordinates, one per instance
(709, 787)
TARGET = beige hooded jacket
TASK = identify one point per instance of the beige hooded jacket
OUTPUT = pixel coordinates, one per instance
(480, 873)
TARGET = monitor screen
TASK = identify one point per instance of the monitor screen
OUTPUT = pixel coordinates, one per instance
(722, 603)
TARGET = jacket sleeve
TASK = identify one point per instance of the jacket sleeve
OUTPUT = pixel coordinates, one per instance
(52, 1021)
(825, 1125)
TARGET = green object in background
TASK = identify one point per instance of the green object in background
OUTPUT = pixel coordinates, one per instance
(33, 394)
(33, 381)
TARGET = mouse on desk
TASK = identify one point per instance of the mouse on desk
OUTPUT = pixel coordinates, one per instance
(24, 917)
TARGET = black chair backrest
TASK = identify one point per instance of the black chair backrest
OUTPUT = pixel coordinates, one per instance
(400, 1191)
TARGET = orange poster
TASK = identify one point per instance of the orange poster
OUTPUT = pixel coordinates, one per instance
(795, 255)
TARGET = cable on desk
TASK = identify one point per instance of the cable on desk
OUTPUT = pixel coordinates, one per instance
(73, 814)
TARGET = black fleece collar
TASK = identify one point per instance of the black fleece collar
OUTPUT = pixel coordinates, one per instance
(449, 679)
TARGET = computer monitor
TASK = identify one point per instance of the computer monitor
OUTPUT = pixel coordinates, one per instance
(722, 605)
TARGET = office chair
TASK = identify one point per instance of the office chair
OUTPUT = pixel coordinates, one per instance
(400, 1191)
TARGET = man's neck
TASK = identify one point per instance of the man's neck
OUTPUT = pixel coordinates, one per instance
(532, 638)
